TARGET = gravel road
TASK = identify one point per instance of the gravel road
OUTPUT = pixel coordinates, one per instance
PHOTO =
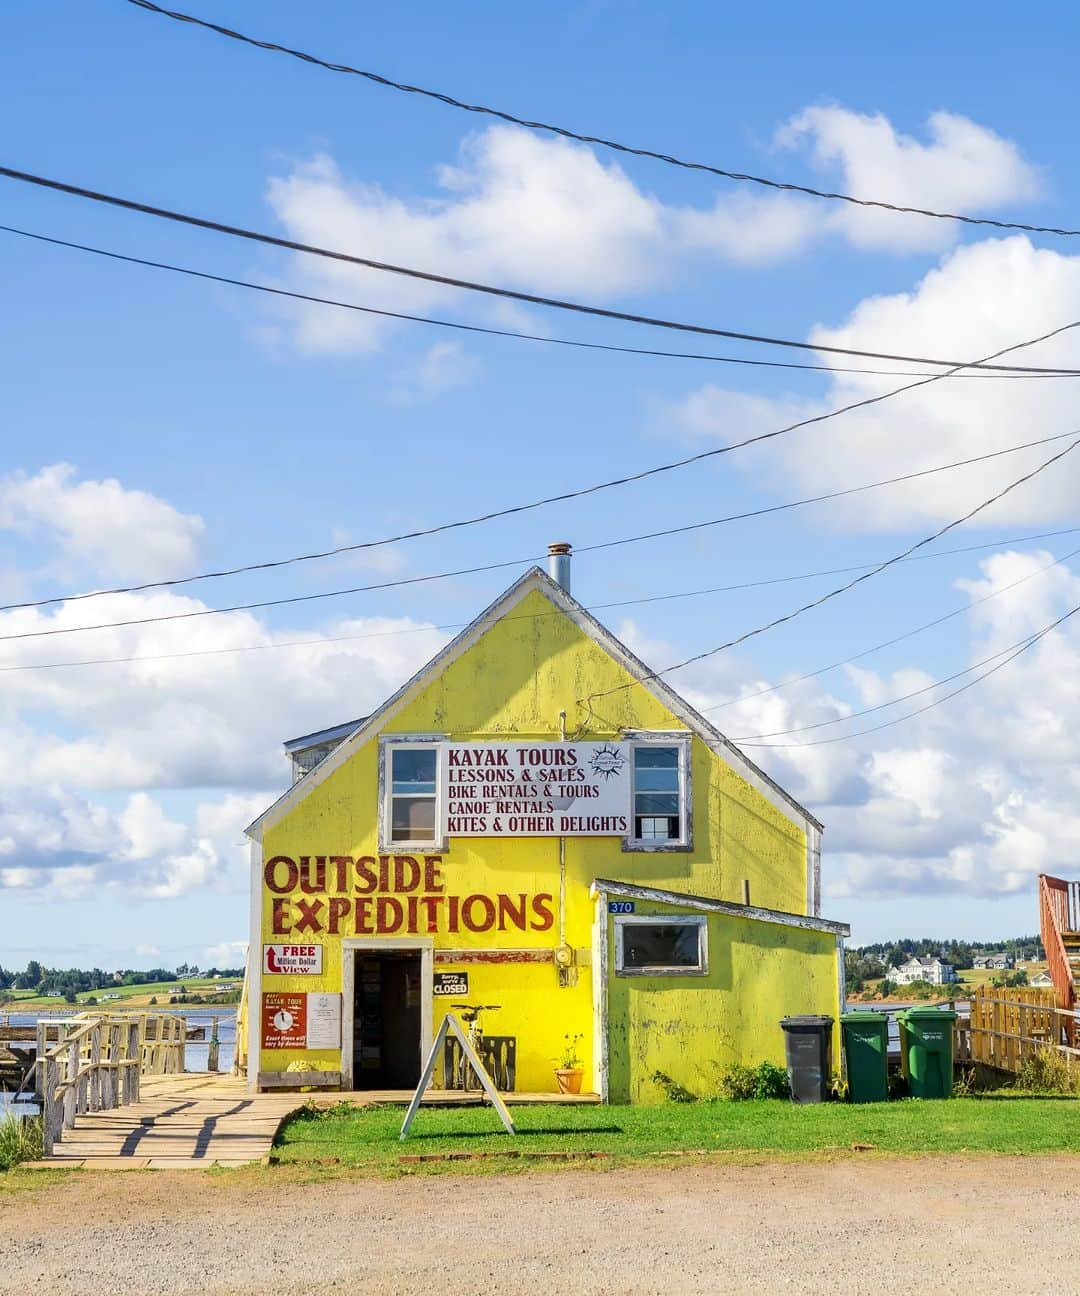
(846, 1226)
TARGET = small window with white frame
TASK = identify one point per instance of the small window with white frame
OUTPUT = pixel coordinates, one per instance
(660, 812)
(411, 794)
(662, 945)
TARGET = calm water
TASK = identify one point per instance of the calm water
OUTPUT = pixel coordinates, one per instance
(195, 1055)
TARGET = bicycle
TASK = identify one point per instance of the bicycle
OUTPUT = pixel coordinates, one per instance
(470, 1015)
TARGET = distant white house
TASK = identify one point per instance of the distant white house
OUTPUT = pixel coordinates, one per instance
(111, 995)
(926, 968)
(1040, 980)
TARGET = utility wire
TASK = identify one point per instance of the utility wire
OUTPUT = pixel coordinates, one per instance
(1002, 371)
(596, 607)
(819, 499)
(888, 724)
(903, 697)
(889, 643)
(491, 290)
(614, 145)
(579, 493)
(516, 562)
(840, 589)
(266, 603)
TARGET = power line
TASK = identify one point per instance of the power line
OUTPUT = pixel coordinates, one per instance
(819, 499)
(889, 643)
(883, 706)
(997, 371)
(266, 603)
(614, 145)
(578, 493)
(888, 724)
(597, 607)
(490, 290)
(841, 589)
(413, 580)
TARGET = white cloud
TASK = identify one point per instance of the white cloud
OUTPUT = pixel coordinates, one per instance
(541, 215)
(226, 954)
(111, 529)
(964, 168)
(550, 216)
(982, 297)
(87, 752)
(975, 797)
(195, 720)
(442, 368)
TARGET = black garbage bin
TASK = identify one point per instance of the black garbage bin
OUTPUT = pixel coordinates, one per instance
(808, 1044)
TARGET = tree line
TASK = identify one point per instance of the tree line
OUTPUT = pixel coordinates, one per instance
(70, 982)
(871, 962)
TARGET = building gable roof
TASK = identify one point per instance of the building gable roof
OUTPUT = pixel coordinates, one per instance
(537, 580)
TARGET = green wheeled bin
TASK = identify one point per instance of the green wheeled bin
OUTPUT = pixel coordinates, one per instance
(926, 1051)
(866, 1051)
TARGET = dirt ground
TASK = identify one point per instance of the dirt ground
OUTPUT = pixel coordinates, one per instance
(843, 1226)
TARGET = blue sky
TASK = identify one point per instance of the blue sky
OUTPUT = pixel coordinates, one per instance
(233, 428)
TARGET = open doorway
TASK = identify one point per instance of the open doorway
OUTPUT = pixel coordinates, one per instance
(387, 1018)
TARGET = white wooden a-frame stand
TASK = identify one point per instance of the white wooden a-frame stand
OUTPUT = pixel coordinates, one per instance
(451, 1024)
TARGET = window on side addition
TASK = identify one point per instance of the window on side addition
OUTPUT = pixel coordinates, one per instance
(672, 945)
(659, 794)
(413, 793)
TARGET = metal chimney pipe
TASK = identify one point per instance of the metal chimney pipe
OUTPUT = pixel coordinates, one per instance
(559, 563)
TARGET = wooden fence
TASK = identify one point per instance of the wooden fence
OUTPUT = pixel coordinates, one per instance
(1007, 1026)
(97, 1062)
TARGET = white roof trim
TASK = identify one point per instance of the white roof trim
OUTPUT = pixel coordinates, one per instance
(537, 580)
(606, 887)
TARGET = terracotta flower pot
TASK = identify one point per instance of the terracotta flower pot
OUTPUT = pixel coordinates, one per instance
(569, 1079)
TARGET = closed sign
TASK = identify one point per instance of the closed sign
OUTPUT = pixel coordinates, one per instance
(451, 983)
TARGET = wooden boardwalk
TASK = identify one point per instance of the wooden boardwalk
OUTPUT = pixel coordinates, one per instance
(180, 1122)
(196, 1120)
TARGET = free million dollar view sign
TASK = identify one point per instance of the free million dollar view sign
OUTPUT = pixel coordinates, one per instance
(536, 789)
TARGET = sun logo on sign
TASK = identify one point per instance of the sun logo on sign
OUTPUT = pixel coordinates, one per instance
(607, 761)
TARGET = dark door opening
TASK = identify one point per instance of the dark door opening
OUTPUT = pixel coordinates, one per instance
(386, 1019)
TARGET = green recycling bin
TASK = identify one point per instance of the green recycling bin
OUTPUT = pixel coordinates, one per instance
(926, 1051)
(866, 1051)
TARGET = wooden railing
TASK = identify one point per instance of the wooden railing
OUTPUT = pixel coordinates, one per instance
(1007, 1026)
(97, 1063)
(162, 1037)
(243, 1028)
(1059, 912)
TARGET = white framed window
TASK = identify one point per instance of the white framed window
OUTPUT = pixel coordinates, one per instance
(661, 945)
(660, 809)
(411, 796)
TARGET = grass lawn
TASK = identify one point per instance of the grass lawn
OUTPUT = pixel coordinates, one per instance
(998, 1123)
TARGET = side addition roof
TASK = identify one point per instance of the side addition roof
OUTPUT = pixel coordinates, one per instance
(320, 736)
(537, 580)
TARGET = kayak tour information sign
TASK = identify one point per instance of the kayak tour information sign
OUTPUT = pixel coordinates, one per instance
(536, 789)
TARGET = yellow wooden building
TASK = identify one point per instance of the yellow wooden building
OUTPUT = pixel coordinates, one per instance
(533, 822)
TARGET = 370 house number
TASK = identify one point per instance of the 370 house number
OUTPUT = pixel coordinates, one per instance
(620, 906)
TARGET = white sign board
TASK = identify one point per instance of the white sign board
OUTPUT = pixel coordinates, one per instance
(536, 789)
(324, 1021)
(292, 960)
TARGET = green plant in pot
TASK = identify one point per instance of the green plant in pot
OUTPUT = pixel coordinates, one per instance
(568, 1073)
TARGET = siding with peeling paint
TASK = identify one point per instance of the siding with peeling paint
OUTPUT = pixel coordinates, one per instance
(692, 1027)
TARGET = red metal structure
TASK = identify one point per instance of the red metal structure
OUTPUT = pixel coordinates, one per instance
(1059, 919)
